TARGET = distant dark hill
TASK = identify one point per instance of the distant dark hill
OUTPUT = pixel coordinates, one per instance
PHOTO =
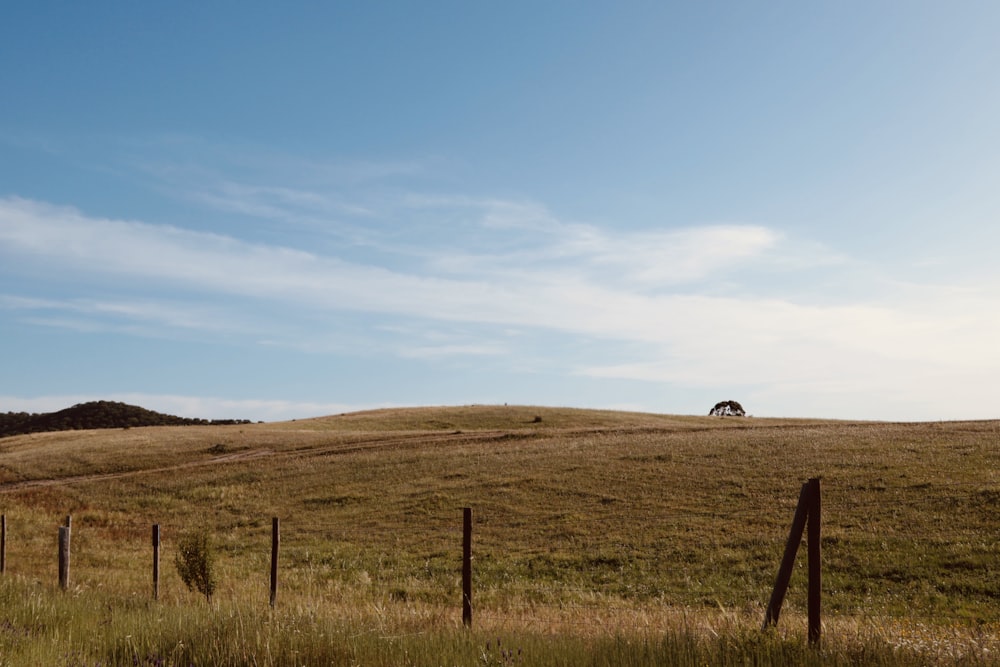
(96, 414)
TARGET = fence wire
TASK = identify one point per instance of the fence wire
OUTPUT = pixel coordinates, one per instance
(615, 559)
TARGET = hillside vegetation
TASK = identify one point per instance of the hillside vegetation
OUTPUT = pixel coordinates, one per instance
(96, 414)
(589, 525)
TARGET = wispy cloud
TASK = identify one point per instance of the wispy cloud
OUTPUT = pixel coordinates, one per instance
(338, 199)
(572, 300)
(451, 351)
(520, 237)
(148, 316)
(205, 263)
(468, 235)
(278, 203)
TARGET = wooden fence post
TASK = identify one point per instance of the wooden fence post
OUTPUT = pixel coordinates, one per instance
(467, 567)
(808, 509)
(64, 557)
(156, 561)
(3, 543)
(788, 561)
(815, 571)
(275, 540)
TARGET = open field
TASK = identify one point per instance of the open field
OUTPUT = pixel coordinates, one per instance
(600, 538)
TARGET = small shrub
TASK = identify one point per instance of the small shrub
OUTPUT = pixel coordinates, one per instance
(195, 563)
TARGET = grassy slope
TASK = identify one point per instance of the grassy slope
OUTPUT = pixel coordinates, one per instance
(585, 520)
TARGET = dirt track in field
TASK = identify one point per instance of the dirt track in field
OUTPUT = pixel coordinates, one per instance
(340, 449)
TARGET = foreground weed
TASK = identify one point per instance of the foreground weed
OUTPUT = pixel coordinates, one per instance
(497, 655)
(195, 563)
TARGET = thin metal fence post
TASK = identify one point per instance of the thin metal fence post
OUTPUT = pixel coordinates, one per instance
(156, 561)
(467, 567)
(275, 541)
(815, 569)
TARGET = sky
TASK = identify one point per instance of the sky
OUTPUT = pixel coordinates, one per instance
(271, 211)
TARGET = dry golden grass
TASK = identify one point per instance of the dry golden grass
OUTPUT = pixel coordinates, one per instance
(588, 523)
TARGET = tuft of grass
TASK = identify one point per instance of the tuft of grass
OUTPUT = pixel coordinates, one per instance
(42, 626)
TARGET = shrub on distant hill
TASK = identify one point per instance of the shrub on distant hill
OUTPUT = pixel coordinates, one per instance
(96, 414)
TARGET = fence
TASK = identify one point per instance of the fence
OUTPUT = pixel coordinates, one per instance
(807, 515)
(808, 509)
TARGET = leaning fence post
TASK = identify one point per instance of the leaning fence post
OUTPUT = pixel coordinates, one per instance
(64, 557)
(156, 561)
(815, 571)
(3, 543)
(788, 561)
(467, 567)
(275, 540)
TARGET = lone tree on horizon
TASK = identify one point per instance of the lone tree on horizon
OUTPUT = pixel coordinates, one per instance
(727, 409)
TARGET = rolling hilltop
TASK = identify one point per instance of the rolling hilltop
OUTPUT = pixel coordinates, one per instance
(587, 523)
(96, 414)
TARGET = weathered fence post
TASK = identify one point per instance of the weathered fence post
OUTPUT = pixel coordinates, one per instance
(64, 557)
(815, 571)
(467, 567)
(788, 560)
(156, 561)
(808, 509)
(3, 543)
(275, 541)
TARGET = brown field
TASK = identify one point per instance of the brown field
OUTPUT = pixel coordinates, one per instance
(588, 524)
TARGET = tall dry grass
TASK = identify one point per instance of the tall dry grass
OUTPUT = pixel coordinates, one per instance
(639, 538)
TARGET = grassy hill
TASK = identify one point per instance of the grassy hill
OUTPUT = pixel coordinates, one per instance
(588, 524)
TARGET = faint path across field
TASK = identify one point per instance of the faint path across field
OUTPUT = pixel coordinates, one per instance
(375, 443)
(101, 476)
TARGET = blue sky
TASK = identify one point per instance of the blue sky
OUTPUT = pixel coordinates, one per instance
(271, 211)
